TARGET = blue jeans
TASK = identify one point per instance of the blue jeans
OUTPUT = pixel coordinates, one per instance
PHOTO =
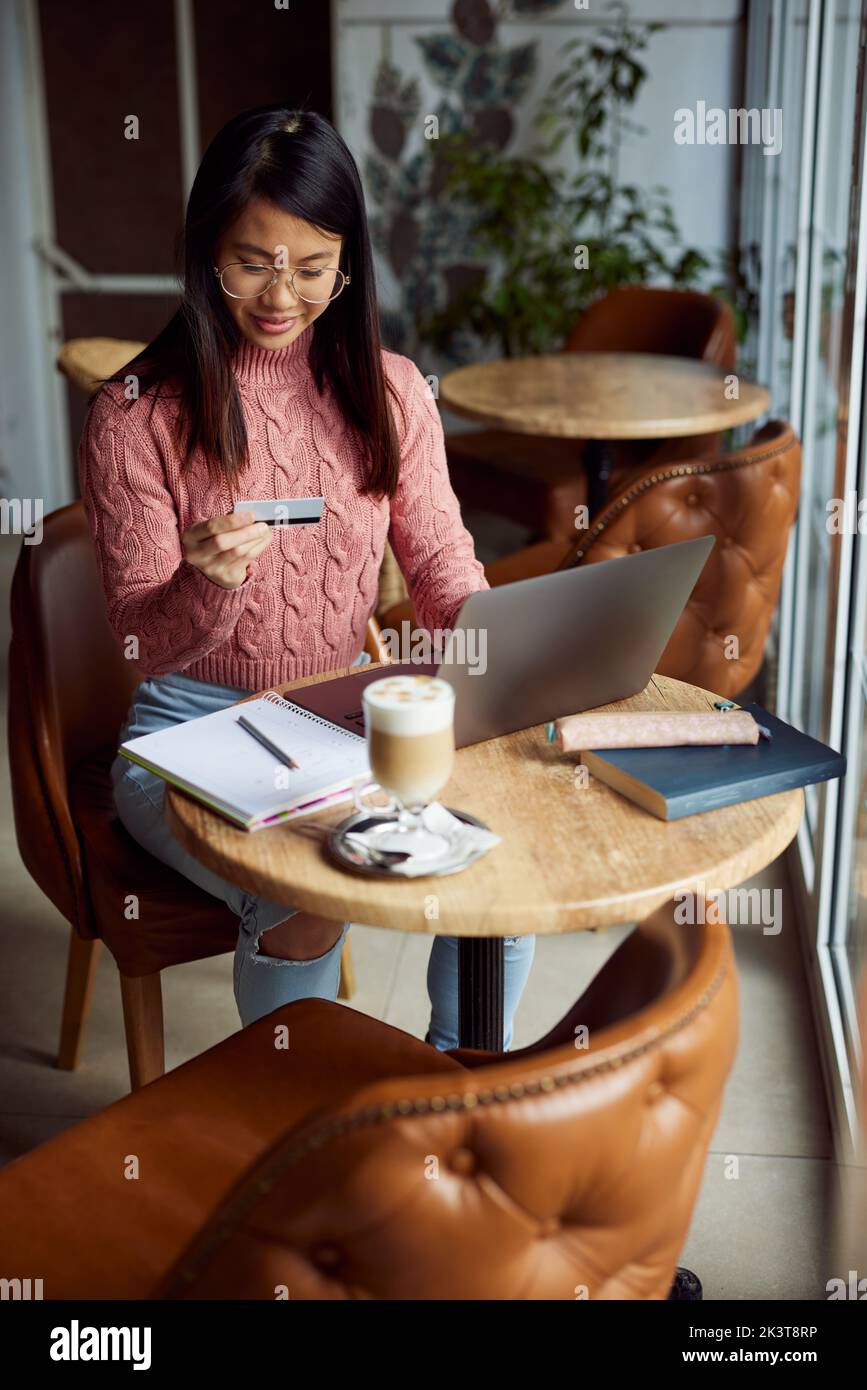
(263, 983)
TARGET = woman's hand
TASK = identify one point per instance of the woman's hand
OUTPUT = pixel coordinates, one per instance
(223, 546)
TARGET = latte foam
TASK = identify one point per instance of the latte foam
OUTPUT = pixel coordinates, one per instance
(408, 705)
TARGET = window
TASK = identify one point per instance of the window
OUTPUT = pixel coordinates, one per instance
(809, 215)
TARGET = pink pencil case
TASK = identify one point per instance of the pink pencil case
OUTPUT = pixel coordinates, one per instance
(667, 729)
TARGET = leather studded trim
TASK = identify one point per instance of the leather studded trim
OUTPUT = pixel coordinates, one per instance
(684, 470)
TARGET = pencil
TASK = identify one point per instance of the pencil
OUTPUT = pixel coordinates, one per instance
(278, 753)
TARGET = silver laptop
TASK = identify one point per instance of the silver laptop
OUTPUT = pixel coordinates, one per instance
(568, 641)
(531, 651)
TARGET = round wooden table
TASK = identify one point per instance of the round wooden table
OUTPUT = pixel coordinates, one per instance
(87, 361)
(570, 857)
(600, 397)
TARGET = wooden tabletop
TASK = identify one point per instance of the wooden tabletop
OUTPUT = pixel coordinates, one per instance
(88, 361)
(601, 395)
(569, 857)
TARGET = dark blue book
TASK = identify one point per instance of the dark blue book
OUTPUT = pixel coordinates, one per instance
(676, 782)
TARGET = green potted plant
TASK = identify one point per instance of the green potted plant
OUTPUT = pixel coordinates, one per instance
(550, 241)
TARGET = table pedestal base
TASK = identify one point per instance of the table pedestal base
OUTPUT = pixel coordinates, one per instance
(480, 992)
(597, 458)
(686, 1287)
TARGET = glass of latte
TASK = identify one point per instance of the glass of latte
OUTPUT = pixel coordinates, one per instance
(409, 725)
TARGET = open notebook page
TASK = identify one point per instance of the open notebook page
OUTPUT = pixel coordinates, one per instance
(216, 760)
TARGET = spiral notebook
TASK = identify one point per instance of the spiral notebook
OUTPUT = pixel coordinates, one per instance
(217, 761)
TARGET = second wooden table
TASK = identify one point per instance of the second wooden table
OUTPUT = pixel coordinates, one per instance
(599, 397)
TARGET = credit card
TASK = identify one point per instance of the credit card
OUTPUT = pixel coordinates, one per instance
(284, 511)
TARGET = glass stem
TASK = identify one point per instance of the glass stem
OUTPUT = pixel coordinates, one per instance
(408, 817)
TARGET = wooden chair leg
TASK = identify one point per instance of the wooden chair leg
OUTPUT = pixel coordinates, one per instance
(142, 997)
(346, 988)
(78, 997)
(374, 643)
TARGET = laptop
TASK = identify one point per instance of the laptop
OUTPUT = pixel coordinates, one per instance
(528, 652)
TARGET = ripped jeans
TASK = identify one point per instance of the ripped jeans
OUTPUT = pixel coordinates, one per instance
(263, 983)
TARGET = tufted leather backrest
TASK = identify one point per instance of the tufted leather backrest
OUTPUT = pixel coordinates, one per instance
(560, 1171)
(675, 323)
(748, 499)
(69, 690)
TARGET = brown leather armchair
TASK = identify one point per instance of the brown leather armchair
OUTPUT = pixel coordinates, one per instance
(361, 1163)
(69, 690)
(748, 499)
(539, 482)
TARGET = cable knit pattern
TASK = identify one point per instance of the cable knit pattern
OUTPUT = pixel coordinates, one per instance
(304, 608)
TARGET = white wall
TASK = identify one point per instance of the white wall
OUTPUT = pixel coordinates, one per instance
(697, 56)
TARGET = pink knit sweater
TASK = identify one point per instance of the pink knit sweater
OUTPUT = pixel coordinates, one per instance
(305, 606)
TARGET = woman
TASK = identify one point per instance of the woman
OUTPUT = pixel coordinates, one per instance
(269, 382)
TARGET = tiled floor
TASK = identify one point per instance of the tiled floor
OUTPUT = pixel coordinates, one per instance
(762, 1234)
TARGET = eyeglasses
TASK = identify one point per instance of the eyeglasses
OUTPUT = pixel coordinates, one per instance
(320, 284)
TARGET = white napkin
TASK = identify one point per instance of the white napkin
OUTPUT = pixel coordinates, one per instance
(463, 838)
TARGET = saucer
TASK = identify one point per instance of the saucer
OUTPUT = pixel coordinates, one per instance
(349, 844)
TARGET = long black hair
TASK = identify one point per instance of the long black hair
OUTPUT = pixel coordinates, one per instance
(297, 161)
